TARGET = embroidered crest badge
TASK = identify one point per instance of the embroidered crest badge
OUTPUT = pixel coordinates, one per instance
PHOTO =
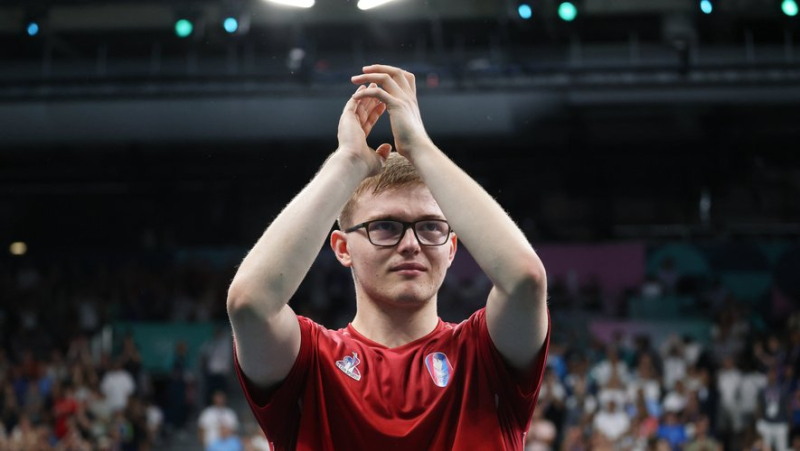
(349, 365)
(439, 368)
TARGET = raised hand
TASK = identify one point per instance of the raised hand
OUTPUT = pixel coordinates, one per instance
(355, 124)
(398, 91)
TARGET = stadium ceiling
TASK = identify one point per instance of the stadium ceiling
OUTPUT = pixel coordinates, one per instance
(87, 15)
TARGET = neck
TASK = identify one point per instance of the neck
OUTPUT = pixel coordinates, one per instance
(394, 326)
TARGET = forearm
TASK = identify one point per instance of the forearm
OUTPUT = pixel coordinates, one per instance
(280, 259)
(491, 236)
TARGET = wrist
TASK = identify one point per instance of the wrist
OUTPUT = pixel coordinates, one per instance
(350, 162)
(419, 151)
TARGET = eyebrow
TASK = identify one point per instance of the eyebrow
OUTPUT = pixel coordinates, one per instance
(390, 217)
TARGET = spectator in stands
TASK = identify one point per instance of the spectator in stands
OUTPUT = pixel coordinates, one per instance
(24, 435)
(580, 405)
(9, 410)
(226, 441)
(541, 433)
(214, 418)
(675, 365)
(257, 441)
(99, 407)
(729, 381)
(552, 396)
(34, 405)
(65, 407)
(676, 399)
(643, 348)
(644, 424)
(601, 373)
(615, 391)
(155, 421)
(673, 431)
(117, 385)
(693, 410)
(611, 421)
(177, 396)
(131, 360)
(728, 334)
(578, 374)
(773, 412)
(646, 379)
(217, 360)
(702, 441)
(753, 382)
(72, 439)
(794, 413)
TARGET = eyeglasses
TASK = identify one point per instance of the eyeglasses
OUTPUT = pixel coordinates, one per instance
(388, 233)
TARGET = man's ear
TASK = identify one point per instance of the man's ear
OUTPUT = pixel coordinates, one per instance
(453, 248)
(339, 246)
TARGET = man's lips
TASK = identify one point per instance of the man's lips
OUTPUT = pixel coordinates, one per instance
(408, 267)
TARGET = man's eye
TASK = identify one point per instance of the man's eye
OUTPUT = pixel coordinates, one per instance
(432, 226)
(384, 226)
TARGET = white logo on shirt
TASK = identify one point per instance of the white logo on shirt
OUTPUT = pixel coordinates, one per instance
(348, 366)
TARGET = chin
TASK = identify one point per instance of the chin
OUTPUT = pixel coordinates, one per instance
(409, 299)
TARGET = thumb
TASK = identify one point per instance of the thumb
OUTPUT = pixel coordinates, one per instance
(383, 151)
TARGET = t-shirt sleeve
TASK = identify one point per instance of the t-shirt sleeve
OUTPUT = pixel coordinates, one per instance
(517, 390)
(278, 410)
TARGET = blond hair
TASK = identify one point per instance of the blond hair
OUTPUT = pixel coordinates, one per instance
(397, 173)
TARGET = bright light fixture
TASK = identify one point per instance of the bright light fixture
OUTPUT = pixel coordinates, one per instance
(295, 3)
(789, 7)
(567, 11)
(18, 248)
(369, 4)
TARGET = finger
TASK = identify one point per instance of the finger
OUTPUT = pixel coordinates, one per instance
(366, 105)
(352, 104)
(385, 81)
(361, 110)
(395, 72)
(377, 93)
(376, 113)
(372, 102)
(412, 81)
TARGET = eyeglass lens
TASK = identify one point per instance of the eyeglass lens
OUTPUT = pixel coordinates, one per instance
(389, 233)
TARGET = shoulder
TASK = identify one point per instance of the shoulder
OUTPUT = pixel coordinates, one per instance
(471, 325)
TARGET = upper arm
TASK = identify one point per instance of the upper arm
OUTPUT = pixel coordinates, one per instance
(266, 346)
(518, 322)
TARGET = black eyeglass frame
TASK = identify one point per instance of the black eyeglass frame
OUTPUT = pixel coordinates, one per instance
(406, 225)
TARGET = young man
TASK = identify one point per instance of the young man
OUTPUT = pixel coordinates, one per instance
(397, 377)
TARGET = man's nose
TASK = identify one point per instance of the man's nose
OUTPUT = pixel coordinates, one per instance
(408, 242)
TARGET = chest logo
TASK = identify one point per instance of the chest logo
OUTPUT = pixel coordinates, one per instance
(349, 365)
(439, 368)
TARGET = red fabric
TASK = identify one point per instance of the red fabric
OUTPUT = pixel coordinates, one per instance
(63, 409)
(396, 404)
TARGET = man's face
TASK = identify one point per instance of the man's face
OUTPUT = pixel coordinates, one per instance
(407, 274)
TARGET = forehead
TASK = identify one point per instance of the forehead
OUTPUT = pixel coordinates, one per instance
(404, 204)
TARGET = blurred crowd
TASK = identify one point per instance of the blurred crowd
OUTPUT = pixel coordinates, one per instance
(739, 392)
(66, 385)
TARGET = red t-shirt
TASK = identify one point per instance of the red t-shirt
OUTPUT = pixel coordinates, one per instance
(449, 390)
